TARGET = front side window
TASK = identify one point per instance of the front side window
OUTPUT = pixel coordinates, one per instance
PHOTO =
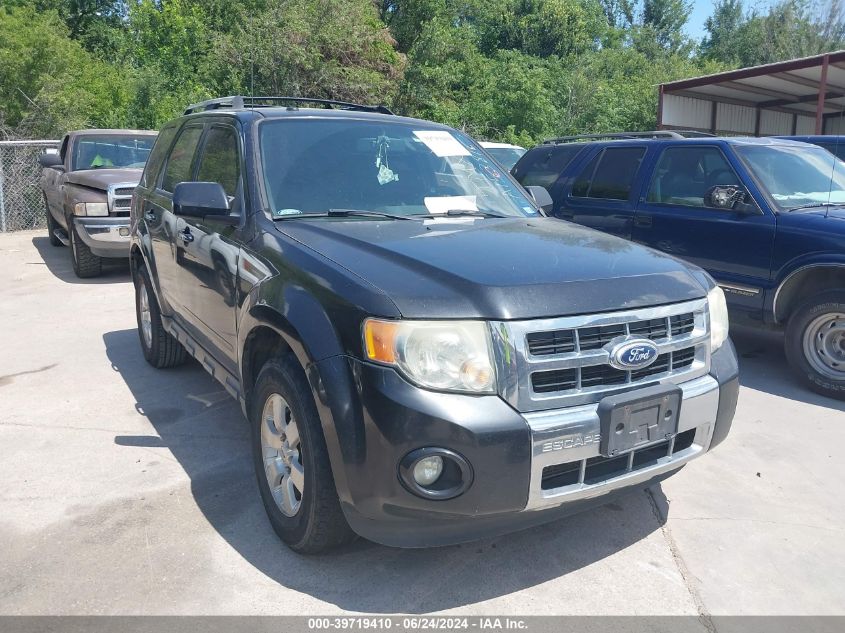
(97, 151)
(220, 159)
(796, 176)
(610, 174)
(313, 166)
(683, 175)
(181, 158)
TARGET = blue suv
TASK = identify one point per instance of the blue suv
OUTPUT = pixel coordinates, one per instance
(763, 216)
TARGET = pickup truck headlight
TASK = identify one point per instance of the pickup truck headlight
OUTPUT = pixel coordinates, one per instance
(718, 317)
(91, 208)
(441, 355)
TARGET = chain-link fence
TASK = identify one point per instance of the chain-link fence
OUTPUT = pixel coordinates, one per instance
(21, 202)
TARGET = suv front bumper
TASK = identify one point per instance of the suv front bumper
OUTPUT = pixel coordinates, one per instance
(507, 451)
(105, 236)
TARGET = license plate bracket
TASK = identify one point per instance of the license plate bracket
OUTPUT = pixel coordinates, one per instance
(636, 419)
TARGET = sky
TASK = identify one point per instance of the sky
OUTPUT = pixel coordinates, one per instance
(703, 9)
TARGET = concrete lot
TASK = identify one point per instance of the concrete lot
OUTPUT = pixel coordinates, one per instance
(130, 490)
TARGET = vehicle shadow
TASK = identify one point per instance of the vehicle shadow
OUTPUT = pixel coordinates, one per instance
(763, 367)
(205, 431)
(57, 259)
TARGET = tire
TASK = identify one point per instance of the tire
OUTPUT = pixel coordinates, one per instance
(85, 263)
(282, 405)
(815, 343)
(160, 349)
(52, 226)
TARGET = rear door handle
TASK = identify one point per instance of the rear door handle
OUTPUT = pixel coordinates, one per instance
(186, 235)
(643, 220)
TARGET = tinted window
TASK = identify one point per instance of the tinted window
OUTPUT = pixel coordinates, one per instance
(220, 159)
(543, 165)
(316, 165)
(157, 155)
(837, 149)
(110, 150)
(684, 174)
(610, 175)
(181, 158)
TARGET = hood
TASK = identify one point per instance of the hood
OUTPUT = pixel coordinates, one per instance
(513, 268)
(836, 213)
(102, 178)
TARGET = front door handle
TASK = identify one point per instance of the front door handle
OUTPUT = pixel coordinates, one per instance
(644, 221)
(150, 216)
(186, 235)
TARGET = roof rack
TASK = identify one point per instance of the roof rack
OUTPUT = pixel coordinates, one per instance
(240, 102)
(654, 134)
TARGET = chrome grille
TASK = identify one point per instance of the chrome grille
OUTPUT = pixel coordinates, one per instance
(548, 363)
(120, 198)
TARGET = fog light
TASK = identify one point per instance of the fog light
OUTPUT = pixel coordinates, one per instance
(123, 231)
(427, 470)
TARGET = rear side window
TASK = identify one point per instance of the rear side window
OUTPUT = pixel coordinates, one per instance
(542, 166)
(153, 166)
(610, 174)
(220, 159)
(181, 158)
(684, 174)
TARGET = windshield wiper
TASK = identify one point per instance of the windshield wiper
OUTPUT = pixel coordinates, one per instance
(344, 213)
(454, 213)
(814, 205)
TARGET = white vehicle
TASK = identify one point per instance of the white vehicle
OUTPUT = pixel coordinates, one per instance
(504, 153)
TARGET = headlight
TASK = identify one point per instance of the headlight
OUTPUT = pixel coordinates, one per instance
(441, 355)
(91, 208)
(718, 317)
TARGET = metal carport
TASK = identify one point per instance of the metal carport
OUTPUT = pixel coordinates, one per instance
(799, 96)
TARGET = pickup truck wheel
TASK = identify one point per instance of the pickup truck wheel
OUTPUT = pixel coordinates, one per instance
(292, 462)
(52, 226)
(815, 343)
(160, 348)
(85, 263)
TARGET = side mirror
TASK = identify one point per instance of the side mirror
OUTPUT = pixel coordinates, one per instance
(199, 199)
(541, 197)
(730, 198)
(50, 160)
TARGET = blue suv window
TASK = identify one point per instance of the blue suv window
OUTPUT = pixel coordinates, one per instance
(542, 166)
(610, 174)
(684, 174)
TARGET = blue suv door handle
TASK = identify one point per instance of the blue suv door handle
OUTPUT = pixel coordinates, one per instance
(642, 220)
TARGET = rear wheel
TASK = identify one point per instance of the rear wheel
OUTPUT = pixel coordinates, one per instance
(160, 348)
(815, 343)
(52, 226)
(292, 462)
(85, 263)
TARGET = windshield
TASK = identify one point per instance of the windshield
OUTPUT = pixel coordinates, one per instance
(312, 166)
(796, 176)
(506, 156)
(109, 150)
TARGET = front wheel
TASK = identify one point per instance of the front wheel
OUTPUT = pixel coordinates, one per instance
(292, 462)
(85, 263)
(815, 343)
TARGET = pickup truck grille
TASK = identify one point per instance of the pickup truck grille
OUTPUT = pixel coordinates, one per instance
(552, 363)
(120, 199)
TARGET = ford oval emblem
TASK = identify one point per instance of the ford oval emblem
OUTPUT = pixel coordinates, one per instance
(633, 354)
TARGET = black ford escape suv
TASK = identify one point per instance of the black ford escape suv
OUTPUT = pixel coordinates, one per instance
(423, 356)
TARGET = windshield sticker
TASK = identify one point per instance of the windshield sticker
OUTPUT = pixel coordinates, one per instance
(283, 212)
(443, 204)
(442, 143)
(385, 174)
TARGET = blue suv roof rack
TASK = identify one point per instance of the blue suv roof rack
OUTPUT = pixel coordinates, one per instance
(239, 102)
(654, 134)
